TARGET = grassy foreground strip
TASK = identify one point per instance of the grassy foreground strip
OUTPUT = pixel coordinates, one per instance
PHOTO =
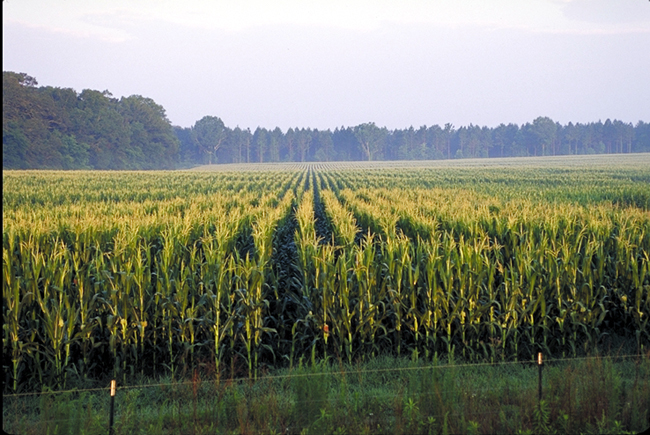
(385, 395)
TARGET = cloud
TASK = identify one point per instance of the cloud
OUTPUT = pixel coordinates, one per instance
(71, 18)
(119, 21)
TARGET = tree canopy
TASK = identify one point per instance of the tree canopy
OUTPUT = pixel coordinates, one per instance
(58, 128)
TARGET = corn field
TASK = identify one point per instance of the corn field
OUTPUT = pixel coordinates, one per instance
(122, 274)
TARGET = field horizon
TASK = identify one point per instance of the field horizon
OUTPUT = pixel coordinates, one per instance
(564, 160)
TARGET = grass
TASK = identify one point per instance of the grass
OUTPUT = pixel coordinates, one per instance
(385, 395)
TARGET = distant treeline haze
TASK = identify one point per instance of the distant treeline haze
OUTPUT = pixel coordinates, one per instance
(58, 128)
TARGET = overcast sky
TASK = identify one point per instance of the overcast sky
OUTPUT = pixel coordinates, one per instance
(331, 63)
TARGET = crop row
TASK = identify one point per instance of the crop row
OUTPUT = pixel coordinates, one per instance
(98, 288)
(459, 271)
(112, 274)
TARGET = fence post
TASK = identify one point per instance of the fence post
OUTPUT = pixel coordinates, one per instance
(539, 364)
(110, 420)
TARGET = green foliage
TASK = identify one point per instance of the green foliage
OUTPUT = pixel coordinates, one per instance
(118, 273)
(541, 418)
(54, 128)
(14, 145)
(311, 394)
(363, 398)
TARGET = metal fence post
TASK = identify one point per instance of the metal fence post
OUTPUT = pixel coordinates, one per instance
(539, 364)
(110, 421)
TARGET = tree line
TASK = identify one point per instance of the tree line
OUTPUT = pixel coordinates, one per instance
(58, 128)
(209, 141)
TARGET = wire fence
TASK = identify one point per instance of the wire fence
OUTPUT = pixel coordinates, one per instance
(328, 373)
(400, 400)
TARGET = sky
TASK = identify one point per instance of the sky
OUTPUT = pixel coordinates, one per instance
(332, 63)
